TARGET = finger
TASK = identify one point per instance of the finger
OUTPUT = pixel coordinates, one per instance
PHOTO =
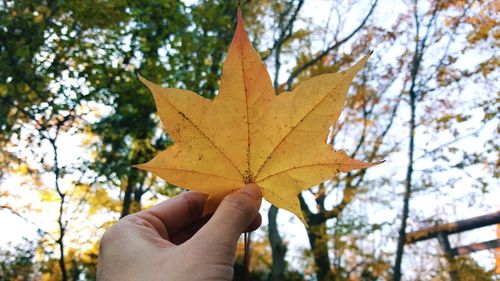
(184, 234)
(178, 212)
(146, 226)
(257, 221)
(188, 232)
(233, 216)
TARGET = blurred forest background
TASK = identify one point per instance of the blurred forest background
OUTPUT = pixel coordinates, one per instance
(74, 118)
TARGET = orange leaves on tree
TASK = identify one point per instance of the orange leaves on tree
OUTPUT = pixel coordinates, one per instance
(249, 134)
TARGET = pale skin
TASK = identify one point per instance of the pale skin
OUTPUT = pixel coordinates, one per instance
(172, 240)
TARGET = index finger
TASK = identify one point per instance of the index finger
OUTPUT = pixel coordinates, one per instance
(180, 211)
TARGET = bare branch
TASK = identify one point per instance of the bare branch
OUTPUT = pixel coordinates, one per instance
(287, 32)
(337, 44)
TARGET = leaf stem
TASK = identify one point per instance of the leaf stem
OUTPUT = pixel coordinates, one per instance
(246, 257)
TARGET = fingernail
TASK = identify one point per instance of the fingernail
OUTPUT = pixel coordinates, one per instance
(253, 190)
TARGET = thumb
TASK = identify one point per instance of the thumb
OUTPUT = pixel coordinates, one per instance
(233, 216)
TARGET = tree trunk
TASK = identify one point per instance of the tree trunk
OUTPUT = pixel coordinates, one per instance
(408, 189)
(278, 248)
(402, 233)
(60, 243)
(139, 191)
(417, 59)
(129, 191)
(318, 238)
(127, 199)
(62, 196)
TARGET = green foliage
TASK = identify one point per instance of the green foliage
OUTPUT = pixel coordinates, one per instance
(18, 263)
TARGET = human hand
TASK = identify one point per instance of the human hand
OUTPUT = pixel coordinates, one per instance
(172, 241)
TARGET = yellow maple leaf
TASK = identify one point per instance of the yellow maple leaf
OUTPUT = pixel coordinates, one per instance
(249, 134)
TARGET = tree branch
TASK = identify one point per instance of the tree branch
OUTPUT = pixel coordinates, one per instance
(337, 44)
